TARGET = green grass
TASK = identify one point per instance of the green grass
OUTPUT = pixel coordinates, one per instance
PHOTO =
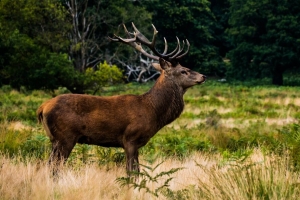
(228, 122)
(217, 117)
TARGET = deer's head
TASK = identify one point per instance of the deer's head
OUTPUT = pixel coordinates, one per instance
(168, 62)
(178, 74)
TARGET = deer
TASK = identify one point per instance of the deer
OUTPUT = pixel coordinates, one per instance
(125, 121)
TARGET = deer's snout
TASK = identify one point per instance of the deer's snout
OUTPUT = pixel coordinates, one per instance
(201, 78)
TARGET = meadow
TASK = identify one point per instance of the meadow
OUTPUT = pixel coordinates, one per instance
(233, 141)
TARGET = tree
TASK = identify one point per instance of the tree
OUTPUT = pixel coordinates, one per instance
(51, 43)
(192, 20)
(44, 21)
(33, 35)
(220, 9)
(92, 22)
(265, 34)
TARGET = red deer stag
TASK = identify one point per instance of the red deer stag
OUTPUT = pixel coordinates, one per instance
(127, 121)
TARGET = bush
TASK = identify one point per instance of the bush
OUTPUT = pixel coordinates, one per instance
(103, 75)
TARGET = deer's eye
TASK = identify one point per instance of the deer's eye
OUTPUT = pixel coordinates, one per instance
(184, 72)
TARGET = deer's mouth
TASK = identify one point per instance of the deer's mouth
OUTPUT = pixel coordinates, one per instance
(200, 82)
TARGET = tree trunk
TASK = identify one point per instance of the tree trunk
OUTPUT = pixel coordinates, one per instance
(277, 78)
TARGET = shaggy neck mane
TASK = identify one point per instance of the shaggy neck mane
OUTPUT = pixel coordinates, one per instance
(166, 97)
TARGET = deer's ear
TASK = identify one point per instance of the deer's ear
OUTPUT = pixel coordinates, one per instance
(163, 64)
(157, 66)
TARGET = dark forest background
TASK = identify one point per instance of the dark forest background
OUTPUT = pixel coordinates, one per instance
(46, 44)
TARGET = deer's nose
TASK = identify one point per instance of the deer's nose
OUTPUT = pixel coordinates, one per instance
(204, 77)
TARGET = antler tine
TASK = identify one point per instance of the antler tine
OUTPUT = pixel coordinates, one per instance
(154, 36)
(179, 51)
(140, 36)
(119, 39)
(127, 41)
(188, 48)
(166, 46)
(132, 42)
(154, 41)
(175, 50)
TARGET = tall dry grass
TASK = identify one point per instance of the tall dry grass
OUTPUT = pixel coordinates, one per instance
(203, 176)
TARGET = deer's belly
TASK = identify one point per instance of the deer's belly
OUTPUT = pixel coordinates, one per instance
(105, 142)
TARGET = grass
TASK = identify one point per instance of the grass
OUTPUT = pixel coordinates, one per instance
(260, 177)
(201, 176)
(231, 142)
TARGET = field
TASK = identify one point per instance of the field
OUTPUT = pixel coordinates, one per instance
(231, 142)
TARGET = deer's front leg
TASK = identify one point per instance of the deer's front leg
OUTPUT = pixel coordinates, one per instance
(132, 160)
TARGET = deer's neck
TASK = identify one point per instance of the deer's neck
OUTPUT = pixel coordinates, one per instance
(166, 98)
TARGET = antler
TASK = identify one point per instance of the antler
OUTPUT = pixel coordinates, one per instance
(139, 39)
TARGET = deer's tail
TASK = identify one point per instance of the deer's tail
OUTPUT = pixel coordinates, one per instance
(40, 116)
(39, 113)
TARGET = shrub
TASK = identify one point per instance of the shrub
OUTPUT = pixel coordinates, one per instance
(147, 179)
(103, 75)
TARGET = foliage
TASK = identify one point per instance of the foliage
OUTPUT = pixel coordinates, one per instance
(116, 156)
(103, 75)
(265, 39)
(45, 22)
(192, 20)
(92, 22)
(220, 9)
(34, 34)
(177, 143)
(42, 51)
(148, 179)
(40, 69)
(50, 44)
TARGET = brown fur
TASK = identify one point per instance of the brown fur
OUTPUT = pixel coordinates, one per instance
(127, 121)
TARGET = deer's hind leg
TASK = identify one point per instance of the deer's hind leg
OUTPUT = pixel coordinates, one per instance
(61, 150)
